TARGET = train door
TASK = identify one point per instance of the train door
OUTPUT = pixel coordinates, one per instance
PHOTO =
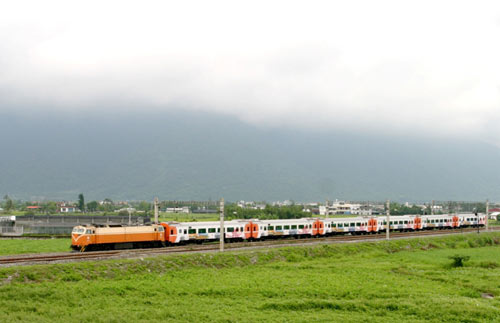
(248, 230)
(454, 221)
(255, 231)
(318, 228)
(372, 225)
(417, 223)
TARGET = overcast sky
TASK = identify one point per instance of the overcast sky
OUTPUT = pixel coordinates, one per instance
(424, 68)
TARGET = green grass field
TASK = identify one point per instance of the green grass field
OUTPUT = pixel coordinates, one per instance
(404, 280)
(21, 246)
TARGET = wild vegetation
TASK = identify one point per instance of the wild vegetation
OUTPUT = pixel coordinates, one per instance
(404, 280)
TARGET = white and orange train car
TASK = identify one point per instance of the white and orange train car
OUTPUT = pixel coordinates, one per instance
(171, 233)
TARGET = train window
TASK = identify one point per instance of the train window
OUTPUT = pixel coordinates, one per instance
(161, 229)
(211, 230)
(237, 229)
(294, 227)
(287, 227)
(406, 222)
(279, 227)
(192, 231)
(241, 229)
(270, 228)
(400, 222)
(230, 229)
(358, 224)
(202, 230)
(334, 225)
(301, 226)
(352, 224)
(88, 231)
(172, 231)
(391, 223)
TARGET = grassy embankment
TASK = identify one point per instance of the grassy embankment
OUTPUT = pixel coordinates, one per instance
(404, 280)
(23, 246)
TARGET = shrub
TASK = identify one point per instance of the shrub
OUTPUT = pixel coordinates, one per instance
(458, 260)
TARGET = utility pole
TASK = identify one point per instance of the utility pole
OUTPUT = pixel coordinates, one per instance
(129, 216)
(432, 208)
(221, 237)
(388, 226)
(487, 213)
(156, 209)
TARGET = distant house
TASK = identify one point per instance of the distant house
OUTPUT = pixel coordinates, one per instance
(33, 208)
(67, 209)
(184, 209)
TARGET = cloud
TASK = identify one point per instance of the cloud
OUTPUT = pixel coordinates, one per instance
(399, 67)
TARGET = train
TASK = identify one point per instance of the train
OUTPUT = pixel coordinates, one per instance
(108, 237)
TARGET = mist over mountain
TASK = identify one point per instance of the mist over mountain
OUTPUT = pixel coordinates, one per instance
(201, 156)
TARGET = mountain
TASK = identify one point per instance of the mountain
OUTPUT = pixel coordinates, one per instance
(199, 156)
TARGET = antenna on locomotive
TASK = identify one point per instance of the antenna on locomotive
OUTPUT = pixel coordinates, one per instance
(156, 209)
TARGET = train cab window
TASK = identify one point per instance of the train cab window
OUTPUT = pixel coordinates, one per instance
(88, 231)
(230, 229)
(211, 230)
(294, 227)
(279, 227)
(287, 227)
(192, 231)
(161, 229)
(172, 231)
(202, 230)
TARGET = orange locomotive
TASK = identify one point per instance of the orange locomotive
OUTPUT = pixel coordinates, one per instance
(92, 237)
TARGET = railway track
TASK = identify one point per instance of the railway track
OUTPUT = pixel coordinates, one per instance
(214, 246)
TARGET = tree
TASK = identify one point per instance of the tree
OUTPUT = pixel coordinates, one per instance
(49, 207)
(9, 205)
(81, 202)
(92, 206)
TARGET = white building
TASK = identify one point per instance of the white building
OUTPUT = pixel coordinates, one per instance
(344, 208)
(184, 209)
